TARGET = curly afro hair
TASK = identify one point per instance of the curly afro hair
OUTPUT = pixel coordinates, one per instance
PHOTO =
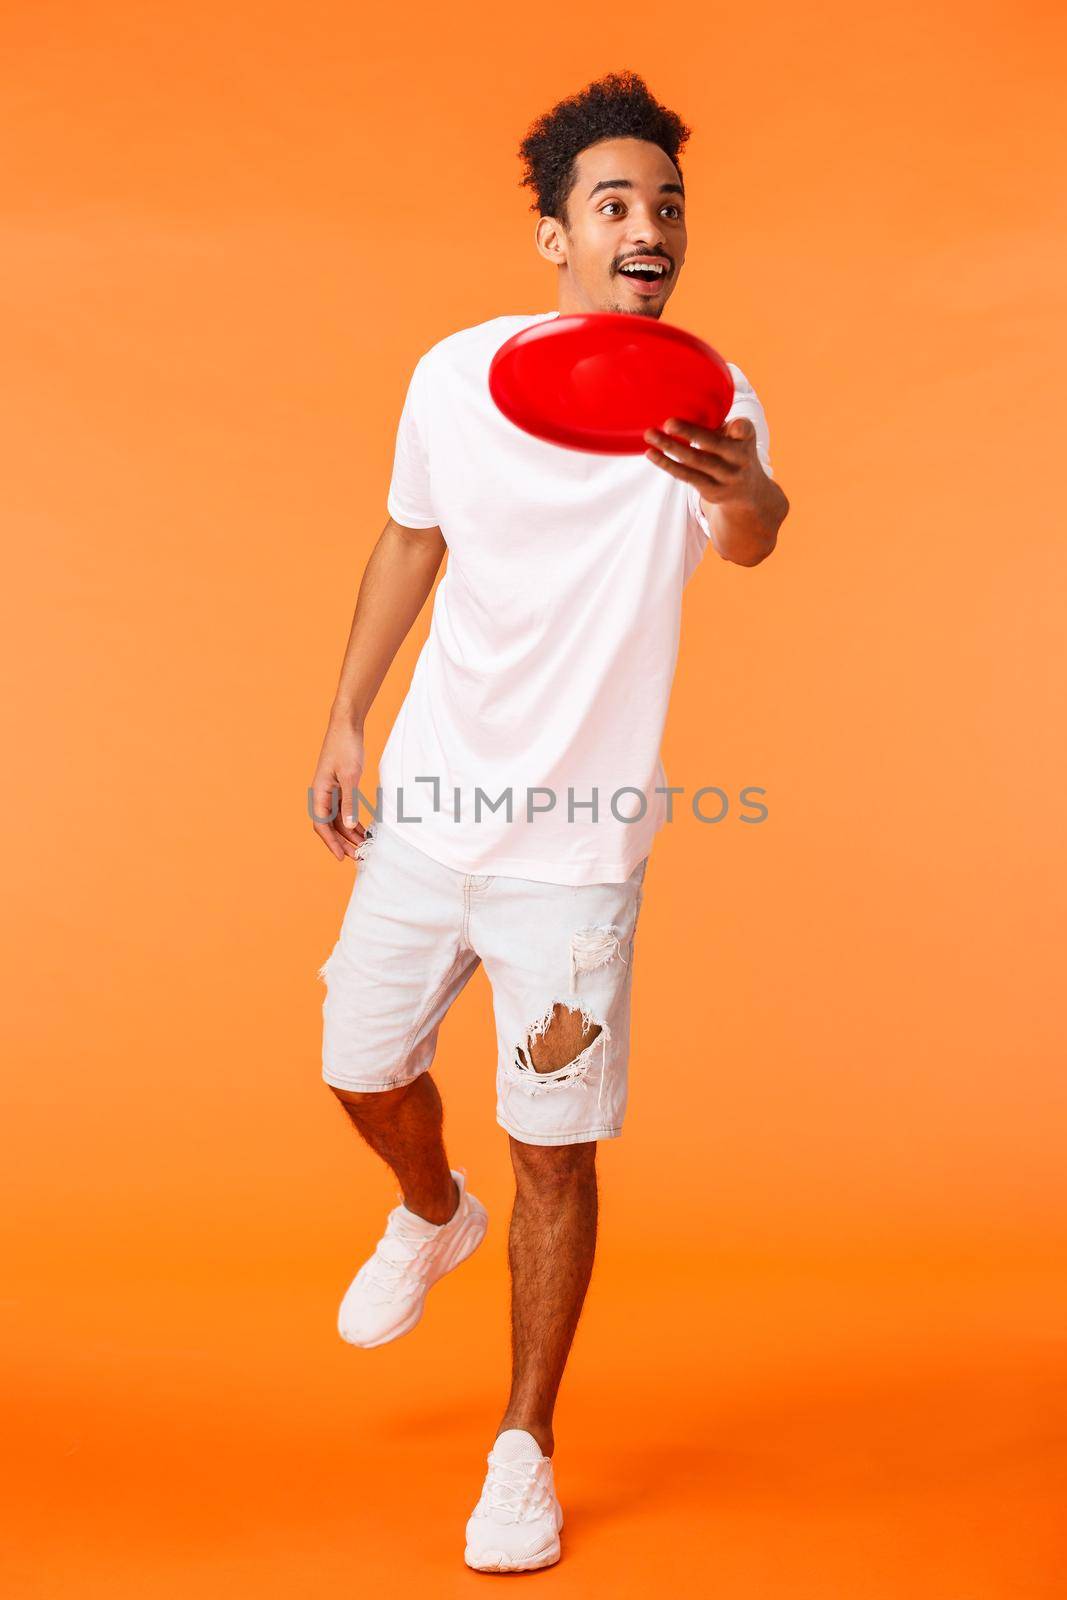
(617, 106)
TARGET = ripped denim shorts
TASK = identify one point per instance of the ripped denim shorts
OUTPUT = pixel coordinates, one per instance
(413, 934)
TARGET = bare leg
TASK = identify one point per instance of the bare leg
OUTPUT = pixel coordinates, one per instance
(550, 1252)
(404, 1126)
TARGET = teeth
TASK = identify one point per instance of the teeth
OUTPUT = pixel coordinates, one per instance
(645, 266)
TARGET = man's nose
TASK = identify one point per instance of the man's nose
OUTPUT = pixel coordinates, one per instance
(647, 231)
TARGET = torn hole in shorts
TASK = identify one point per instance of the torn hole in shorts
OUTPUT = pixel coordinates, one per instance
(592, 948)
(520, 1070)
(364, 845)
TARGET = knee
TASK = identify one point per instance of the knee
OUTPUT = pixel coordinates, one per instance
(552, 1168)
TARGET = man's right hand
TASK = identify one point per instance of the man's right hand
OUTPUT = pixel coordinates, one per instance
(340, 767)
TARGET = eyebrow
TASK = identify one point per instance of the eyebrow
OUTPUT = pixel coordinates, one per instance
(624, 183)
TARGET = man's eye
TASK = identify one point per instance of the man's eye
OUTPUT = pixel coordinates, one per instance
(611, 203)
(675, 209)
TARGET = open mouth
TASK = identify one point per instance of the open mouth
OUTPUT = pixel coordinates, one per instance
(645, 276)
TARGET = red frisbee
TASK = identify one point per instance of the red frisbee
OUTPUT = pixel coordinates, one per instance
(597, 380)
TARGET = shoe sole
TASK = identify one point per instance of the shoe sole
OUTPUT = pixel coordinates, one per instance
(497, 1561)
(466, 1241)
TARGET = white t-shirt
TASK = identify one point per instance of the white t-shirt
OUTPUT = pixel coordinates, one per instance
(545, 677)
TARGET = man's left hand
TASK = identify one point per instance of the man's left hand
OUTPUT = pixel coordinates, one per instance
(720, 463)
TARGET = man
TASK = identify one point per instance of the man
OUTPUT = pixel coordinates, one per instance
(521, 785)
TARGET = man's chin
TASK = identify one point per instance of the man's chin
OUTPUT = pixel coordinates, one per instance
(649, 310)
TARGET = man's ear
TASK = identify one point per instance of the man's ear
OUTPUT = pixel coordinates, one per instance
(551, 240)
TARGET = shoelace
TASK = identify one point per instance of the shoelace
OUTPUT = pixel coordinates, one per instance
(396, 1260)
(510, 1488)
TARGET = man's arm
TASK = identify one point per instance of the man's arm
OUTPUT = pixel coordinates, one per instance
(744, 507)
(396, 581)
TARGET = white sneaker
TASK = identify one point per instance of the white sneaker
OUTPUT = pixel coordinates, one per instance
(386, 1297)
(515, 1525)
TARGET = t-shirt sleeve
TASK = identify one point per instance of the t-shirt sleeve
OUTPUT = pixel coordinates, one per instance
(746, 404)
(410, 498)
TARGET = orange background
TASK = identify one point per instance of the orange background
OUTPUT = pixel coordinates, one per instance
(823, 1355)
